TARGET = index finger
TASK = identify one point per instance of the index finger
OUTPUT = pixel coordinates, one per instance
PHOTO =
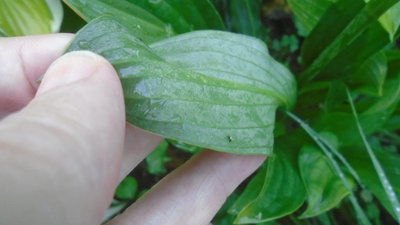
(23, 61)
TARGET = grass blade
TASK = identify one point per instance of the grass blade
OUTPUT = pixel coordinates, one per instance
(378, 167)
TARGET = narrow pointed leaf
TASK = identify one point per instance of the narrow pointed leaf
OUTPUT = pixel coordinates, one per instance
(246, 17)
(362, 164)
(207, 88)
(354, 22)
(383, 178)
(325, 189)
(309, 13)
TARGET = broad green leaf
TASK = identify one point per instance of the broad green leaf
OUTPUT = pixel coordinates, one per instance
(127, 189)
(20, 17)
(157, 159)
(347, 26)
(152, 20)
(246, 17)
(274, 192)
(212, 89)
(325, 189)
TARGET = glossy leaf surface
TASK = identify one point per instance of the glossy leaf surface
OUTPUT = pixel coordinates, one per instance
(212, 89)
(152, 20)
(325, 189)
(274, 192)
(19, 17)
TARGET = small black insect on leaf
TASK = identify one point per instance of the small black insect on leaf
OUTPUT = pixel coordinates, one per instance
(229, 138)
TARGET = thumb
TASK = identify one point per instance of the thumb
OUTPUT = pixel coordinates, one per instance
(62, 152)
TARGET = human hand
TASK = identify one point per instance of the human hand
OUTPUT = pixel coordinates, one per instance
(64, 145)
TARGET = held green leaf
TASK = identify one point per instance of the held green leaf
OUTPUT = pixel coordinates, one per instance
(212, 89)
(325, 189)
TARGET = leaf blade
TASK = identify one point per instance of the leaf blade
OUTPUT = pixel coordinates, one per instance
(174, 100)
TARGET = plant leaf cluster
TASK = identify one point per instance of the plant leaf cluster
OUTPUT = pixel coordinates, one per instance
(201, 87)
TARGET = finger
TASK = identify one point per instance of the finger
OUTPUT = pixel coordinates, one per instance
(60, 155)
(193, 193)
(23, 61)
(138, 144)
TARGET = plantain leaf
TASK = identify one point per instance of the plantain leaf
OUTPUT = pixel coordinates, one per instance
(152, 20)
(275, 191)
(19, 17)
(212, 89)
(325, 189)
(352, 34)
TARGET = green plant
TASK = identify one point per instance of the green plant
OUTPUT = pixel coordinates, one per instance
(334, 152)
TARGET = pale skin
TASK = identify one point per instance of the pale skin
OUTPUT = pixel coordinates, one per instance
(64, 145)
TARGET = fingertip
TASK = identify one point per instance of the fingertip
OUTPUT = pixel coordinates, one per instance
(73, 67)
